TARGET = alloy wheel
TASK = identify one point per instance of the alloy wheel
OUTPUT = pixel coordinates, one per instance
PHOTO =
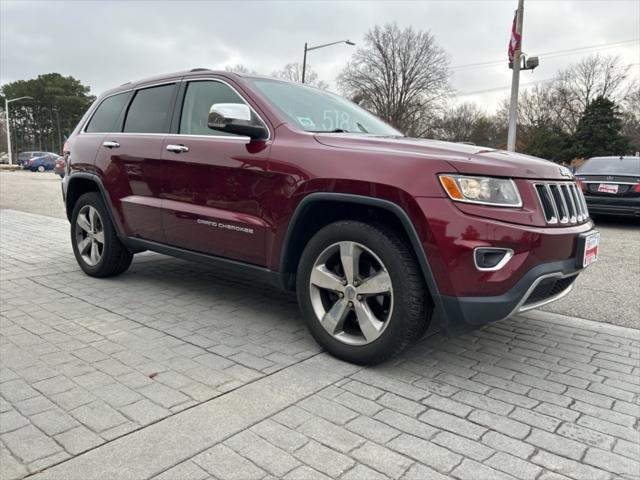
(351, 293)
(89, 235)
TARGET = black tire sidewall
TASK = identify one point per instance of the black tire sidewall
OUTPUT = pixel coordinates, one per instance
(112, 247)
(394, 335)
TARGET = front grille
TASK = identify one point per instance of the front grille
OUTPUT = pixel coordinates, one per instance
(562, 202)
(548, 288)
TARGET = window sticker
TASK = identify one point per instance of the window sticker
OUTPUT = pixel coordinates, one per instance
(306, 122)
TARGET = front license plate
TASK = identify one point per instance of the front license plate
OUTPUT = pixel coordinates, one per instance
(607, 188)
(589, 250)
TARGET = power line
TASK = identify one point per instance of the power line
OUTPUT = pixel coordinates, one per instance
(556, 53)
(497, 89)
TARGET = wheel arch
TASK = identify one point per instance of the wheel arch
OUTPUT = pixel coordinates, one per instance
(78, 184)
(312, 213)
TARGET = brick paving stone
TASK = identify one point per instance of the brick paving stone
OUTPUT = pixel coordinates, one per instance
(507, 444)
(262, 453)
(222, 462)
(452, 423)
(362, 472)
(29, 444)
(53, 421)
(470, 470)
(305, 473)
(513, 466)
(613, 462)
(324, 459)
(382, 459)
(11, 420)
(463, 446)
(144, 412)
(279, 435)
(500, 424)
(98, 416)
(425, 452)
(330, 435)
(569, 468)
(372, 429)
(78, 440)
(188, 470)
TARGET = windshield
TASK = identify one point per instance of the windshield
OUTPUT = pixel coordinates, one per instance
(315, 110)
(611, 166)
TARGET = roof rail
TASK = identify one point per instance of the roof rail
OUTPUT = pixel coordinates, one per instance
(200, 70)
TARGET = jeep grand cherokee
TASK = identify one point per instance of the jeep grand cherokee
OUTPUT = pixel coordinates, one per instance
(379, 234)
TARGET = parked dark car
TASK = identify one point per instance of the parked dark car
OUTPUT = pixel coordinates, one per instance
(611, 185)
(24, 157)
(40, 164)
(379, 234)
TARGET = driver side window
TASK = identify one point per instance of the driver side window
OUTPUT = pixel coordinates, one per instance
(198, 99)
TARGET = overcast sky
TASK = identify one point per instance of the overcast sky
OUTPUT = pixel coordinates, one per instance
(107, 43)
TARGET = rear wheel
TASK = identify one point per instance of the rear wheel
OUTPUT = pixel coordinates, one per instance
(361, 292)
(95, 243)
(41, 168)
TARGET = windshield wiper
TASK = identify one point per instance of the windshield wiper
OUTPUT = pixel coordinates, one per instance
(335, 130)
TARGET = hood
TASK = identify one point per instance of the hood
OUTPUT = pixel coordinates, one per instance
(467, 159)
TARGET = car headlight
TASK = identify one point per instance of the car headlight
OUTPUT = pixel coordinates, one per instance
(500, 192)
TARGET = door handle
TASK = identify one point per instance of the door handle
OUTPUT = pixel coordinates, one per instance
(110, 144)
(177, 148)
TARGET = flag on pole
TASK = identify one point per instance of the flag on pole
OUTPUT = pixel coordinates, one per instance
(514, 43)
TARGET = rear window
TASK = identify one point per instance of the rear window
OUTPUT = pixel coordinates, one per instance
(149, 112)
(611, 166)
(106, 116)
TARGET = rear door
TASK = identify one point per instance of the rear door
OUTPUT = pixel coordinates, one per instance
(215, 183)
(130, 161)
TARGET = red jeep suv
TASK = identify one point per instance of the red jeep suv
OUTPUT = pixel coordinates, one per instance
(379, 234)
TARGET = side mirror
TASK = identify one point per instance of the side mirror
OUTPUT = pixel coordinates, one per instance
(235, 118)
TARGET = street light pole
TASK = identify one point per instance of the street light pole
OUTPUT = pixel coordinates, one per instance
(515, 83)
(308, 49)
(6, 114)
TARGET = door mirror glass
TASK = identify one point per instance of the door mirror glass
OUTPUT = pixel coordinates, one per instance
(235, 118)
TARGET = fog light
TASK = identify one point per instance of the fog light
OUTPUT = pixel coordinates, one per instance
(490, 259)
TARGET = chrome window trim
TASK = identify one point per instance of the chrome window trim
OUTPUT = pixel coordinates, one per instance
(214, 79)
(507, 256)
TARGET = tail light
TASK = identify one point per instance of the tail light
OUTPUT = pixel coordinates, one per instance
(581, 185)
(637, 188)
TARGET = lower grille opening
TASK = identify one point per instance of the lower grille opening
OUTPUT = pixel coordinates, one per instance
(548, 288)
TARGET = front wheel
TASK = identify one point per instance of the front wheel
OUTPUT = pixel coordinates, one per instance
(95, 243)
(362, 293)
(41, 168)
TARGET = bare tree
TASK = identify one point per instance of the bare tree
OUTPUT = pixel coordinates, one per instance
(293, 73)
(240, 68)
(592, 77)
(401, 75)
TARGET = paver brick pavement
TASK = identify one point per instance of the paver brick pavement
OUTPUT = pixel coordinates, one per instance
(172, 371)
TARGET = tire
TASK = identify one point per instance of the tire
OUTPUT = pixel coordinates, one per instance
(111, 257)
(41, 168)
(400, 314)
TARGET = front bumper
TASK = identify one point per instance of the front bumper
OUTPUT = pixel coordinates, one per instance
(541, 285)
(541, 269)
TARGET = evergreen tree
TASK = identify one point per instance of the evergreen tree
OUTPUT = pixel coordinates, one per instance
(599, 131)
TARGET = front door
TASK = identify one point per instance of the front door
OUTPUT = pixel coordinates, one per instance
(215, 183)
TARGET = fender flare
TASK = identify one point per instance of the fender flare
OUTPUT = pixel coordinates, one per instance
(391, 207)
(92, 177)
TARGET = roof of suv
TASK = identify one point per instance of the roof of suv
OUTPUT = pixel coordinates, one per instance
(186, 73)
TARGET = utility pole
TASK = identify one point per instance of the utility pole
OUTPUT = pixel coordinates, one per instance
(304, 61)
(515, 83)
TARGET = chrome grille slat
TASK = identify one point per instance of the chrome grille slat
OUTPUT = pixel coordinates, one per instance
(562, 202)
